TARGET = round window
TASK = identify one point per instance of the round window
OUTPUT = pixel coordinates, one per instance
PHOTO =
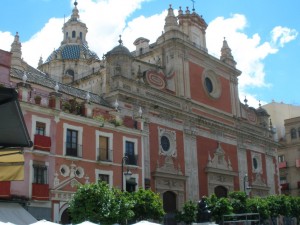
(165, 143)
(208, 85)
(212, 84)
(255, 163)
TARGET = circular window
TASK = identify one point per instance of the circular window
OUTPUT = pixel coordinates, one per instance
(211, 84)
(255, 163)
(64, 170)
(208, 85)
(165, 143)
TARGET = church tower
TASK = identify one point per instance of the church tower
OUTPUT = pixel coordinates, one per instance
(73, 60)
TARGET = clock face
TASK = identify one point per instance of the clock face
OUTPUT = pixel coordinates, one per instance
(165, 143)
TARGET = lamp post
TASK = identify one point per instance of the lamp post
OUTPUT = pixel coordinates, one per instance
(246, 189)
(127, 174)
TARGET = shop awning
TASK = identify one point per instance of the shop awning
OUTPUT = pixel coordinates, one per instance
(13, 130)
(11, 165)
(15, 213)
(13, 136)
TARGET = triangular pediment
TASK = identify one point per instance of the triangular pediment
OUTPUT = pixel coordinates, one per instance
(69, 185)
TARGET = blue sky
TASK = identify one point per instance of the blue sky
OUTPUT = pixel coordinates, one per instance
(263, 34)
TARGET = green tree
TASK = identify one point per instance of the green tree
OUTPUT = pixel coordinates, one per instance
(295, 208)
(188, 213)
(147, 205)
(99, 203)
(238, 201)
(258, 205)
(219, 207)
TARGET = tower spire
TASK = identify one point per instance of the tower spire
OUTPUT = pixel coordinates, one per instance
(193, 1)
(226, 55)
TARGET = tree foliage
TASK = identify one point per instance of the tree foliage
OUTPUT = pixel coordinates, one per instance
(99, 203)
(147, 205)
(219, 207)
(238, 201)
(269, 207)
(188, 213)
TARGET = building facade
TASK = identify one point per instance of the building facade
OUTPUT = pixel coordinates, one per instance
(169, 106)
(286, 121)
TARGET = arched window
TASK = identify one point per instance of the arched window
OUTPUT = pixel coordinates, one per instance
(70, 72)
(220, 191)
(80, 35)
(293, 133)
(67, 34)
(73, 34)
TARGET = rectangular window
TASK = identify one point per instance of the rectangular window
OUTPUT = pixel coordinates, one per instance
(104, 148)
(282, 180)
(281, 158)
(40, 174)
(40, 128)
(129, 152)
(72, 143)
(103, 178)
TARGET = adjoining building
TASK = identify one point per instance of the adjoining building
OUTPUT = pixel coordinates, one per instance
(171, 108)
(286, 122)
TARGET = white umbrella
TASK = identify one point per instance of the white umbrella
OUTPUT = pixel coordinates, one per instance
(44, 222)
(145, 222)
(87, 223)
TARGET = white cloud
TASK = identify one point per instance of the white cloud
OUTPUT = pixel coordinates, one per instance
(248, 52)
(6, 39)
(282, 35)
(106, 20)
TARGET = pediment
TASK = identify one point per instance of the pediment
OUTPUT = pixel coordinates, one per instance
(68, 185)
(219, 160)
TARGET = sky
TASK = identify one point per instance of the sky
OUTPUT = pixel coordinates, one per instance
(262, 34)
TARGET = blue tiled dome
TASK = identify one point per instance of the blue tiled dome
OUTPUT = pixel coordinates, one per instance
(72, 51)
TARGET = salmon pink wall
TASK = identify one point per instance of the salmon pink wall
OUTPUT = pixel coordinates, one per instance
(198, 93)
(154, 149)
(250, 166)
(207, 146)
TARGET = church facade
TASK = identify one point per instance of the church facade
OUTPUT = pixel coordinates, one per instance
(169, 112)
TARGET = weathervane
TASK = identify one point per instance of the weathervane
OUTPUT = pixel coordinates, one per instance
(193, 1)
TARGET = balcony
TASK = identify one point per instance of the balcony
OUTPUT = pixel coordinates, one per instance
(282, 165)
(132, 160)
(284, 186)
(297, 163)
(73, 150)
(40, 192)
(5, 189)
(105, 155)
(42, 143)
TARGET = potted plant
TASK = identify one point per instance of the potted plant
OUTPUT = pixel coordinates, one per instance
(37, 99)
(66, 106)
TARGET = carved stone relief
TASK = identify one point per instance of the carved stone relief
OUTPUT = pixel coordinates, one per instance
(169, 178)
(219, 171)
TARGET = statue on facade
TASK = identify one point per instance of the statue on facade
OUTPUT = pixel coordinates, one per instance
(204, 214)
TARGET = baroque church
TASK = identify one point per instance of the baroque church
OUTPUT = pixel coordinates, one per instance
(169, 112)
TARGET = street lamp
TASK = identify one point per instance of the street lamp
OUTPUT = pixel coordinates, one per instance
(246, 189)
(127, 173)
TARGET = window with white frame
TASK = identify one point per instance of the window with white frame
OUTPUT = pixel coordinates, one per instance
(72, 140)
(105, 176)
(40, 173)
(104, 142)
(281, 158)
(40, 126)
(130, 150)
